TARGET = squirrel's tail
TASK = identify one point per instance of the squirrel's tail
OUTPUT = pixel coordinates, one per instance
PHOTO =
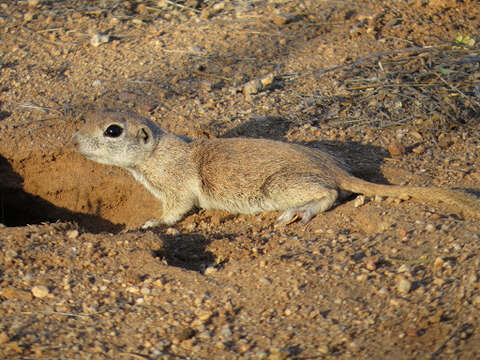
(463, 203)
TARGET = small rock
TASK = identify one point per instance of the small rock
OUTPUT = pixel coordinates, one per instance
(419, 149)
(404, 268)
(445, 142)
(252, 87)
(430, 228)
(262, 354)
(396, 302)
(371, 263)
(362, 277)
(99, 39)
(438, 264)
(40, 291)
(243, 347)
(172, 231)
(382, 291)
(267, 80)
(147, 107)
(133, 290)
(9, 255)
(265, 281)
(204, 315)
(402, 233)
(72, 234)
(416, 135)
(411, 331)
(359, 201)
(219, 6)
(404, 285)
(280, 19)
(28, 17)
(210, 270)
(210, 11)
(396, 149)
(288, 312)
(33, 3)
(323, 349)
(194, 4)
(378, 198)
(141, 9)
(476, 301)
(226, 332)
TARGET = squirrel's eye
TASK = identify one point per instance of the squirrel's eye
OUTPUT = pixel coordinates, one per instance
(113, 131)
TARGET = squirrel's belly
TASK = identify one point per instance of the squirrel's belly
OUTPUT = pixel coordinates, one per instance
(239, 205)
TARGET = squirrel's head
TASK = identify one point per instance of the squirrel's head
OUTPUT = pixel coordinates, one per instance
(116, 138)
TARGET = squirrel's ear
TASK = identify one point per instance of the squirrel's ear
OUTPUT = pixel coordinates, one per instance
(144, 135)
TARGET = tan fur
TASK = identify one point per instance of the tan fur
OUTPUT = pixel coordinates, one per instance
(239, 175)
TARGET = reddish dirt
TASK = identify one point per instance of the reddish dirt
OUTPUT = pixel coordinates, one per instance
(385, 280)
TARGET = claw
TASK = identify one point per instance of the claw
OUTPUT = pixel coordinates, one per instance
(289, 217)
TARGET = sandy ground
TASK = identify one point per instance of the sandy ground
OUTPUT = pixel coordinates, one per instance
(388, 87)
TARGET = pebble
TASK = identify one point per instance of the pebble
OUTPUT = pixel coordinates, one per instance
(210, 270)
(204, 315)
(359, 201)
(404, 268)
(362, 277)
(99, 39)
(382, 291)
(172, 231)
(226, 332)
(267, 80)
(147, 107)
(262, 354)
(28, 17)
(371, 263)
(396, 149)
(430, 227)
(438, 264)
(9, 255)
(281, 19)
(40, 291)
(252, 87)
(404, 285)
(72, 234)
(419, 149)
(323, 349)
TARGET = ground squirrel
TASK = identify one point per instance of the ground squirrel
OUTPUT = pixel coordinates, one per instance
(239, 175)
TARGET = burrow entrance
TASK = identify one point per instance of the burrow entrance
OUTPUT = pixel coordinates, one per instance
(63, 186)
